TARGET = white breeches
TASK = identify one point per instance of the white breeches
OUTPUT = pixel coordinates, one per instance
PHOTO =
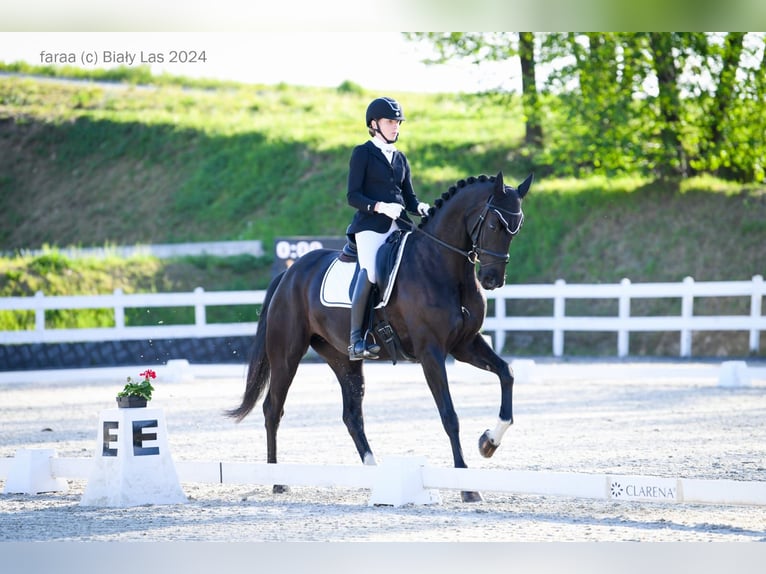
(367, 245)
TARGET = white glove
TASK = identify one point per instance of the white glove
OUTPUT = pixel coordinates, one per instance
(392, 210)
(423, 208)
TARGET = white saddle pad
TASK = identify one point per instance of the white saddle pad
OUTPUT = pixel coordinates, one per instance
(337, 279)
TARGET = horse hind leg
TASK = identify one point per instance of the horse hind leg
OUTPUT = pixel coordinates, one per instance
(284, 365)
(351, 378)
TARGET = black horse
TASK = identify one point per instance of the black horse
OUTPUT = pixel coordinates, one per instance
(436, 308)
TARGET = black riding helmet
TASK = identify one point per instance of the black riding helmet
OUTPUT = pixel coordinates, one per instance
(387, 108)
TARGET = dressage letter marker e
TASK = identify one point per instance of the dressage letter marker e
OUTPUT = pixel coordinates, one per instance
(138, 434)
(132, 465)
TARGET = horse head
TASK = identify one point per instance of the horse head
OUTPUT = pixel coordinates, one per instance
(498, 223)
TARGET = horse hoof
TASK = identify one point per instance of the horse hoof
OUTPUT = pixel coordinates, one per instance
(486, 447)
(280, 489)
(470, 496)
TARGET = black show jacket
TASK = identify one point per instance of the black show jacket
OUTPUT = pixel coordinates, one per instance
(372, 179)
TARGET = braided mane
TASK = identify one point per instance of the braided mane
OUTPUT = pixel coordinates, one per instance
(452, 191)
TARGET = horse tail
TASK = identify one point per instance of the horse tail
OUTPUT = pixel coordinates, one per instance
(259, 370)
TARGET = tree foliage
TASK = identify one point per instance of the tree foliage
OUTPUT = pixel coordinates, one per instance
(662, 104)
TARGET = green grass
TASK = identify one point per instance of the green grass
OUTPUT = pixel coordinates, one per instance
(126, 164)
(143, 159)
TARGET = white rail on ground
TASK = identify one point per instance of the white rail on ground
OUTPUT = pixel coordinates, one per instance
(614, 487)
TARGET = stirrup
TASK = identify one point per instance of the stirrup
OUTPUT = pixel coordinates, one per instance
(359, 350)
(372, 348)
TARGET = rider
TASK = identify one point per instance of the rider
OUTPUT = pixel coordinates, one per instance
(380, 188)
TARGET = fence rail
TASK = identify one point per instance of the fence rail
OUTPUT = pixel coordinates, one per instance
(498, 323)
(623, 323)
(199, 299)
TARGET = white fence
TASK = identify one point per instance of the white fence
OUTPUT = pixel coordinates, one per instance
(160, 250)
(199, 299)
(623, 323)
(558, 323)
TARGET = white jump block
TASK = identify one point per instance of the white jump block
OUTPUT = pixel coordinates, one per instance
(132, 463)
(523, 370)
(734, 374)
(399, 481)
(30, 473)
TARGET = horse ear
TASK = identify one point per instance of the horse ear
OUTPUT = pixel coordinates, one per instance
(525, 185)
(499, 190)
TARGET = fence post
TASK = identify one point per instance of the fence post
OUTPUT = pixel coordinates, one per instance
(623, 334)
(559, 312)
(199, 308)
(39, 311)
(119, 310)
(687, 312)
(755, 312)
(499, 316)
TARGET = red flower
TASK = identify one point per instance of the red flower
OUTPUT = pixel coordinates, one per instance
(148, 374)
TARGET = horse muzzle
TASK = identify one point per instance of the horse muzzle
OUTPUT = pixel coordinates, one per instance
(491, 280)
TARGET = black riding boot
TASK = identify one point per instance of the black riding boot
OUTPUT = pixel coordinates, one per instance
(359, 348)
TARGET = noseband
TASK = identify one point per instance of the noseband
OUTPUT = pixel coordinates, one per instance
(476, 250)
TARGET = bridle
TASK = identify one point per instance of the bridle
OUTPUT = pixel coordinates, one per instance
(478, 228)
(476, 251)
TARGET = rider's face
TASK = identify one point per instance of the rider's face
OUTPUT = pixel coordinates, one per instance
(389, 128)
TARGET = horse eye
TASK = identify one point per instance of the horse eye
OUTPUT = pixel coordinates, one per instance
(493, 226)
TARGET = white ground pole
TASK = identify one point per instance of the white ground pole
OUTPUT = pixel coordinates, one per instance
(399, 481)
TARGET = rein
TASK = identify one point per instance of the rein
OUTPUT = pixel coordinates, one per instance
(472, 255)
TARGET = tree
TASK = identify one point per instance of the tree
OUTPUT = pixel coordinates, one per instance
(656, 103)
(594, 81)
(669, 101)
(725, 91)
(500, 46)
(533, 127)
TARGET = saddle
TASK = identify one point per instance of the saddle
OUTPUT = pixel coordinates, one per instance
(341, 276)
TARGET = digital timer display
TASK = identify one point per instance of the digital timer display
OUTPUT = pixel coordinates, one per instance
(288, 249)
(293, 249)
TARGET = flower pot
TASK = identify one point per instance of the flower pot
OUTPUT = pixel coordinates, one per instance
(131, 402)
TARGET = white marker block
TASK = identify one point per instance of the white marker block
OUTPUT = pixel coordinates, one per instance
(523, 370)
(399, 481)
(132, 464)
(30, 473)
(178, 370)
(734, 374)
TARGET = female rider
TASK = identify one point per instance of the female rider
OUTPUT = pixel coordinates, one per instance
(379, 188)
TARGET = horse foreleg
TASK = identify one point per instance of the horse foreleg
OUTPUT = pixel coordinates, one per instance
(436, 376)
(479, 354)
